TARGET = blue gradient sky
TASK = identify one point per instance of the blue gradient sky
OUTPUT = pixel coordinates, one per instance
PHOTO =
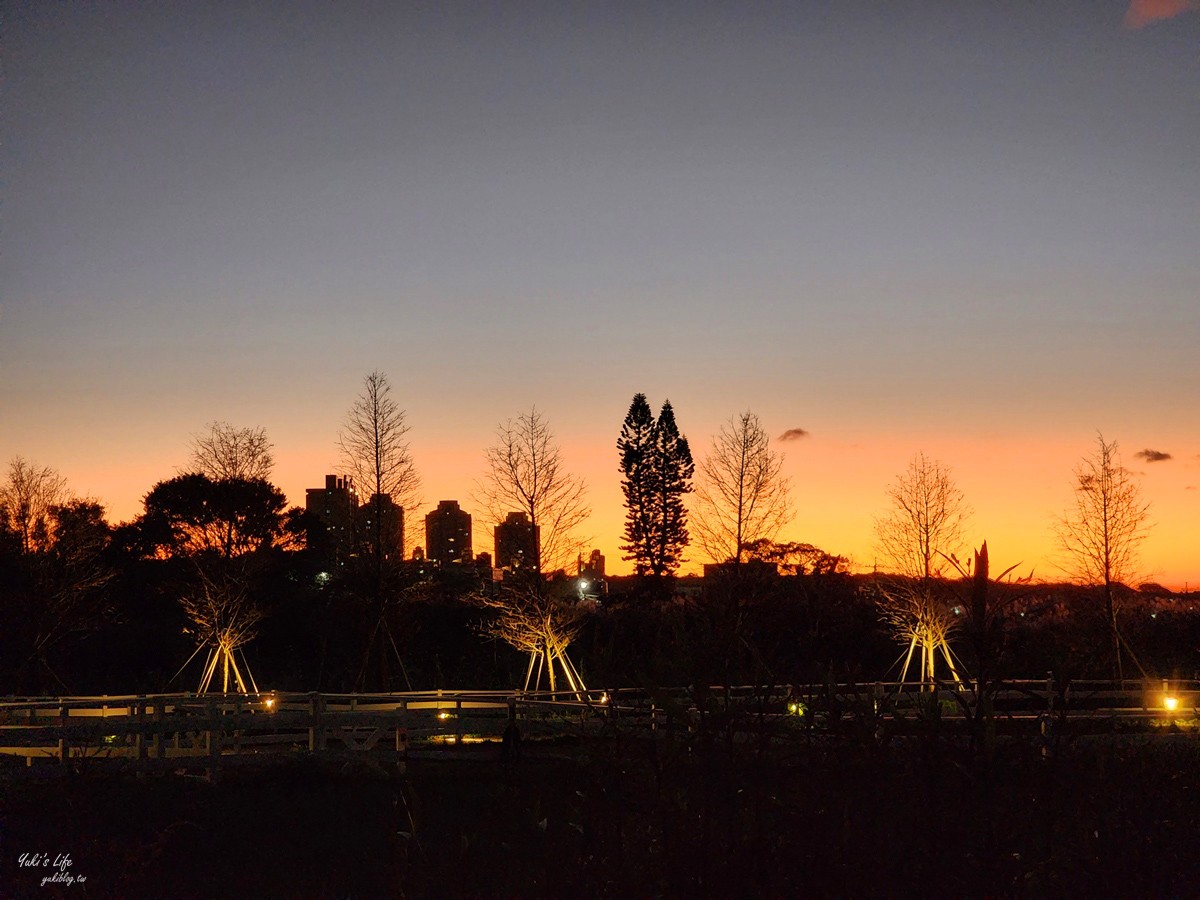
(964, 228)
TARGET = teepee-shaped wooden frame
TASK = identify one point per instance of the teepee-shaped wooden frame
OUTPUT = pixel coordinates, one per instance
(544, 658)
(931, 643)
(224, 618)
(221, 655)
(924, 624)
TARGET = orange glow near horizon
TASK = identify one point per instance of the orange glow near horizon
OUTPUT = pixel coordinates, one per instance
(962, 229)
(1014, 486)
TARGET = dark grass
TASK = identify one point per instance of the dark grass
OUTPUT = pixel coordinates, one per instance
(1106, 816)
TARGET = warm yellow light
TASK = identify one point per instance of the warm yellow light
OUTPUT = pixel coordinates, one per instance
(604, 698)
(796, 709)
(1170, 703)
(269, 704)
(443, 715)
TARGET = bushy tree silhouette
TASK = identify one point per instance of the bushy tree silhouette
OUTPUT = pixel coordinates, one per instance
(55, 581)
(220, 535)
(657, 468)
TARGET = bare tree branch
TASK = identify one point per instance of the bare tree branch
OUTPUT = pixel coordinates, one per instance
(220, 610)
(742, 496)
(1101, 535)
(525, 474)
(921, 531)
(227, 452)
(926, 521)
(26, 501)
(376, 454)
(535, 622)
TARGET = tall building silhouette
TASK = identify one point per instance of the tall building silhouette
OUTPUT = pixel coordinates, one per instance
(517, 542)
(390, 529)
(349, 526)
(334, 506)
(593, 568)
(448, 534)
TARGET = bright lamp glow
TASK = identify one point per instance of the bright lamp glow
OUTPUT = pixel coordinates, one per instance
(1170, 703)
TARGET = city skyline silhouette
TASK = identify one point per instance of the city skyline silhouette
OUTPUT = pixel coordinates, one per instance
(886, 229)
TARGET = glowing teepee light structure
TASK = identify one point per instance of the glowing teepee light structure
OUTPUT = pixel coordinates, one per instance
(223, 619)
(543, 658)
(222, 655)
(927, 630)
(542, 627)
(925, 625)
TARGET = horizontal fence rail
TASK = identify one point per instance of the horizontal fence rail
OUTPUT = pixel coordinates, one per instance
(165, 732)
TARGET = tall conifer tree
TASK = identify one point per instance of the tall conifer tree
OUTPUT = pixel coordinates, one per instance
(673, 470)
(636, 446)
(657, 466)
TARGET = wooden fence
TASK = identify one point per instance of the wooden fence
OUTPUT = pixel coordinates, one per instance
(187, 731)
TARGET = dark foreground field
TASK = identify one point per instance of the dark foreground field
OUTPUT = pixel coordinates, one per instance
(845, 816)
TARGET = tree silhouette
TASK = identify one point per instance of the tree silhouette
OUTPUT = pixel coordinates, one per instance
(673, 468)
(226, 452)
(921, 531)
(796, 558)
(926, 520)
(525, 474)
(1100, 535)
(536, 622)
(56, 589)
(636, 449)
(192, 515)
(26, 499)
(657, 466)
(222, 534)
(743, 495)
(376, 454)
(378, 458)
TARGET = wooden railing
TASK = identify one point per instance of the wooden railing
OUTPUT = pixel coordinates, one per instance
(188, 731)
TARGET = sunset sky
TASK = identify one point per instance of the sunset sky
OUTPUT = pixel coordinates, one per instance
(969, 229)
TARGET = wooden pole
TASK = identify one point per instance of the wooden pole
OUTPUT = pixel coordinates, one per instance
(210, 667)
(529, 671)
(912, 645)
(64, 749)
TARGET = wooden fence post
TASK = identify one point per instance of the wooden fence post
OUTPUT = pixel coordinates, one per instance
(237, 725)
(140, 739)
(156, 737)
(316, 730)
(64, 747)
(213, 741)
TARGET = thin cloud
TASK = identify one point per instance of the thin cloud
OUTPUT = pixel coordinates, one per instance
(1146, 12)
(1152, 455)
(793, 434)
